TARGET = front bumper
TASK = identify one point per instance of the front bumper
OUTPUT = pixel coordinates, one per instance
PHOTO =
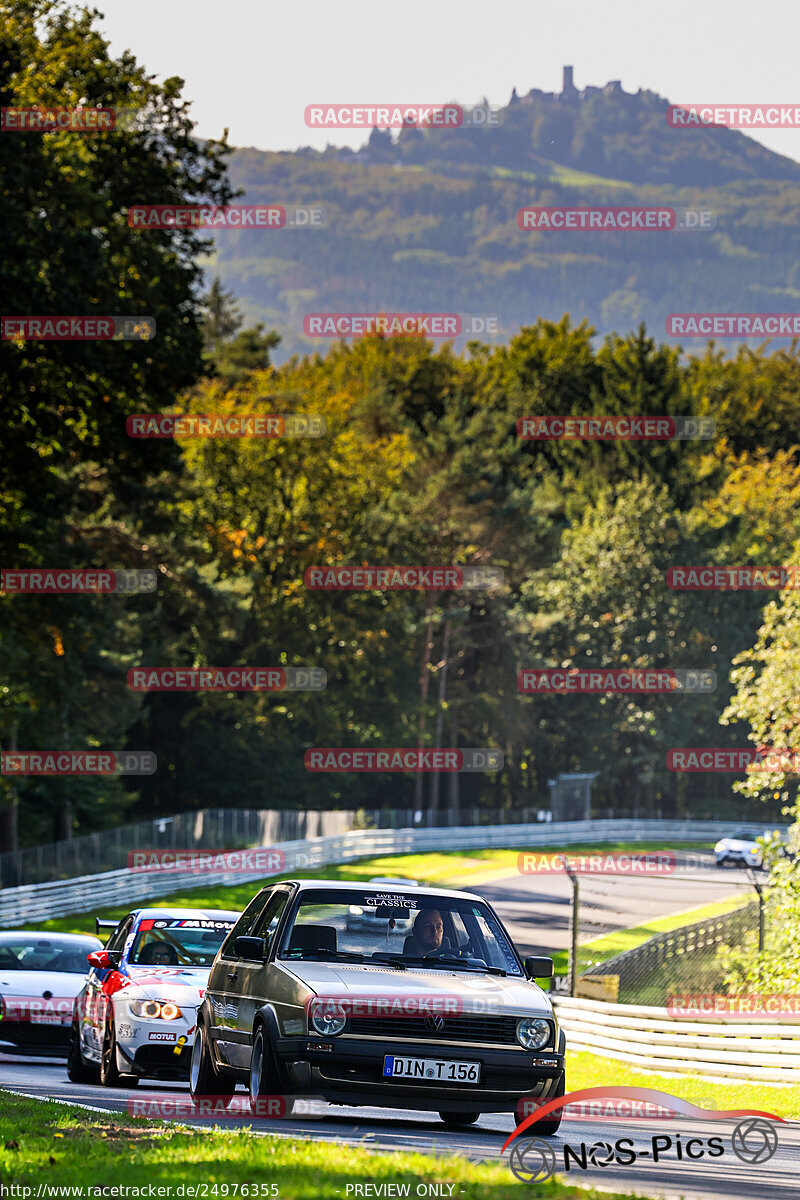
(159, 1049)
(738, 858)
(351, 1072)
(24, 1037)
(161, 1062)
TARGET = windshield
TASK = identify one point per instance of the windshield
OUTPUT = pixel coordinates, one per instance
(178, 942)
(51, 953)
(403, 927)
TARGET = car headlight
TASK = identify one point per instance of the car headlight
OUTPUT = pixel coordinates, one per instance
(155, 1010)
(328, 1019)
(533, 1032)
(719, 846)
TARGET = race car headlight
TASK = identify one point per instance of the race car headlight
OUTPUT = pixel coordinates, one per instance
(328, 1019)
(155, 1010)
(719, 846)
(533, 1033)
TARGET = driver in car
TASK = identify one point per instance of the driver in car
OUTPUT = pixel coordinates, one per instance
(158, 954)
(161, 957)
(426, 937)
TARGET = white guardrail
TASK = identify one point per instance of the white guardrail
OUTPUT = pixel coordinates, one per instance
(765, 1049)
(115, 889)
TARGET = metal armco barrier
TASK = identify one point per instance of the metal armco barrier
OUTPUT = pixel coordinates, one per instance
(113, 889)
(765, 1049)
(686, 939)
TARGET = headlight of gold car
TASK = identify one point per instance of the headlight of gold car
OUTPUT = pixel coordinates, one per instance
(327, 1019)
(155, 1010)
(533, 1032)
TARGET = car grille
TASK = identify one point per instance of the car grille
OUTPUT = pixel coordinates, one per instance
(468, 1028)
(34, 1038)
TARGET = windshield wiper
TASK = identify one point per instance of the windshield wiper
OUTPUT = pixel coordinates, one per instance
(433, 960)
(485, 970)
(323, 952)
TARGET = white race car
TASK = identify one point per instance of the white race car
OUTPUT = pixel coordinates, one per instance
(40, 976)
(135, 1015)
(738, 850)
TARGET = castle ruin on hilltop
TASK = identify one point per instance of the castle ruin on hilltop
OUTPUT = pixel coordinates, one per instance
(568, 91)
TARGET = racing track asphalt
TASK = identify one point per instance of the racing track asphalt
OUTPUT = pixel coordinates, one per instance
(536, 909)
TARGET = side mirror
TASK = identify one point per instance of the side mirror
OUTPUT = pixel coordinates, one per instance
(102, 960)
(249, 947)
(538, 968)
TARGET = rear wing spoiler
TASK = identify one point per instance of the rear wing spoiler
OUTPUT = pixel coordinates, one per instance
(98, 924)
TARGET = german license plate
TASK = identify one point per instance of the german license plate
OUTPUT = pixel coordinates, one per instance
(431, 1070)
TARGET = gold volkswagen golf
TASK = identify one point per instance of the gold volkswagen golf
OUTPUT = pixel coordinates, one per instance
(425, 1005)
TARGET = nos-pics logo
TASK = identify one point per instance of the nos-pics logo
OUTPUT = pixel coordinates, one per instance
(754, 1139)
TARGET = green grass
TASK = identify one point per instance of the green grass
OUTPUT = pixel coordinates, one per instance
(53, 1144)
(602, 948)
(593, 1070)
(567, 176)
(453, 868)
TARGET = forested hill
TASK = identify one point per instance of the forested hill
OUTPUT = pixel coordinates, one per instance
(604, 131)
(427, 221)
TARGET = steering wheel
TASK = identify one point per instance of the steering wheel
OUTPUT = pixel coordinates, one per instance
(466, 951)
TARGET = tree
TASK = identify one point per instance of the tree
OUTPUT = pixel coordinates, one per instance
(222, 317)
(249, 351)
(604, 603)
(767, 697)
(76, 490)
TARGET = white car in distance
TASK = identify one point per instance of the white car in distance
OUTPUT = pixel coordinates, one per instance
(738, 850)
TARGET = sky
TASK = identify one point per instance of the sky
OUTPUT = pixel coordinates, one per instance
(253, 65)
